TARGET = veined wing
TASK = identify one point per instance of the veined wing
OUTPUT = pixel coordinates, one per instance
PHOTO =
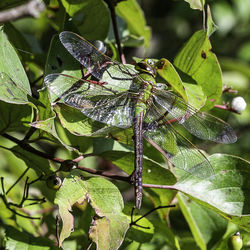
(89, 56)
(179, 151)
(202, 125)
(93, 59)
(96, 102)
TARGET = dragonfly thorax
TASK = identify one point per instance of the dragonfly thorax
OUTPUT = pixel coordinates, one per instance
(146, 66)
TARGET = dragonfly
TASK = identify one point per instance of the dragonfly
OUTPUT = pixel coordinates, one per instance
(127, 96)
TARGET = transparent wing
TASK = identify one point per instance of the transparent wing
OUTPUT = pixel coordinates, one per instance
(93, 59)
(88, 55)
(180, 152)
(96, 102)
(200, 124)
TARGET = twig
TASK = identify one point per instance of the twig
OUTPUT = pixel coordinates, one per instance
(8, 204)
(19, 178)
(115, 28)
(228, 89)
(32, 8)
(30, 149)
(29, 133)
(133, 223)
(106, 174)
(225, 107)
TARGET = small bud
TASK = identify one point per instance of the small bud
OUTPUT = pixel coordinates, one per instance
(54, 182)
(67, 165)
(238, 104)
(235, 242)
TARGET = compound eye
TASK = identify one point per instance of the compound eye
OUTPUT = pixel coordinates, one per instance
(150, 62)
(143, 65)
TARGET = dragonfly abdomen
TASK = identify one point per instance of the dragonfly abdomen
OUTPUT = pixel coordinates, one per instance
(138, 147)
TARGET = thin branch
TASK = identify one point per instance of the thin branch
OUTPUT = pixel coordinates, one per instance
(27, 147)
(32, 8)
(226, 89)
(106, 174)
(30, 149)
(151, 211)
(203, 18)
(115, 29)
(19, 178)
(7, 205)
(31, 131)
(225, 107)
(133, 223)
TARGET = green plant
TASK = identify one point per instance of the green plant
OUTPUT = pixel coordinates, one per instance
(40, 142)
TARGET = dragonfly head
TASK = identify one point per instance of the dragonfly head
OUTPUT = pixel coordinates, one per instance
(146, 66)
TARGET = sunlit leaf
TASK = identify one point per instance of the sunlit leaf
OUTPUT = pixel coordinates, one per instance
(196, 4)
(131, 12)
(203, 222)
(197, 64)
(226, 192)
(110, 225)
(167, 71)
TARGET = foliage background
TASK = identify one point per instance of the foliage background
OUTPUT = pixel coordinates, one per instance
(172, 23)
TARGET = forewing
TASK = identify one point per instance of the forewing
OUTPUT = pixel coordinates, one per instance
(202, 125)
(87, 54)
(96, 102)
(98, 64)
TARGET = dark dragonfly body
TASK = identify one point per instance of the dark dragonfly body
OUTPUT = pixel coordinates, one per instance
(129, 97)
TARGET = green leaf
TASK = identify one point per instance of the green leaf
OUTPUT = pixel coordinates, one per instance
(10, 64)
(132, 13)
(14, 117)
(18, 40)
(59, 60)
(195, 95)
(226, 192)
(91, 17)
(110, 225)
(76, 122)
(167, 71)
(17, 240)
(37, 163)
(153, 172)
(197, 63)
(11, 92)
(211, 26)
(46, 122)
(142, 233)
(196, 4)
(14, 89)
(206, 225)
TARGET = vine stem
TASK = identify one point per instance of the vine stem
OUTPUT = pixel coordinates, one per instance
(115, 29)
(146, 214)
(30, 149)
